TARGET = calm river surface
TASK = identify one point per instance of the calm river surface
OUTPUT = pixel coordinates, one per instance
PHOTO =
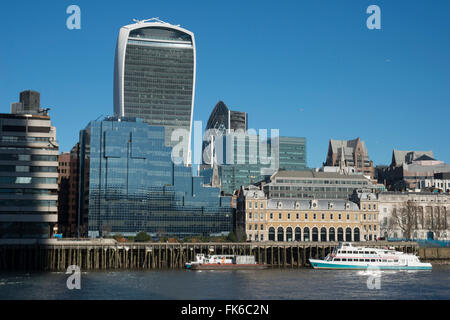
(238, 284)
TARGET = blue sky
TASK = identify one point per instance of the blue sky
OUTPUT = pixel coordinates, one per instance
(309, 68)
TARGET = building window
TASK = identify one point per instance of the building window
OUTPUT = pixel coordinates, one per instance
(297, 216)
(250, 205)
(271, 216)
(323, 216)
(374, 227)
(374, 207)
(279, 216)
(262, 227)
(249, 227)
(262, 237)
(331, 216)
(369, 206)
(348, 217)
(249, 216)
(314, 216)
(306, 216)
(364, 207)
(364, 216)
(289, 216)
(370, 217)
(340, 216)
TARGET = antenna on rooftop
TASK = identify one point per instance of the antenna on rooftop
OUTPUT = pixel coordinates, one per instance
(151, 20)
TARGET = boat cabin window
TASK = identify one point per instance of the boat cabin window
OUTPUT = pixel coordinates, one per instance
(344, 259)
(349, 259)
(366, 260)
(372, 252)
(366, 252)
(337, 259)
(372, 260)
(383, 260)
(361, 260)
(395, 260)
(343, 251)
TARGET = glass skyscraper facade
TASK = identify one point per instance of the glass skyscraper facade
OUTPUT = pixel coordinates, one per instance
(244, 162)
(134, 185)
(155, 76)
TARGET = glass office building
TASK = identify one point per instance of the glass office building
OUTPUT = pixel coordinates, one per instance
(134, 185)
(154, 77)
(244, 161)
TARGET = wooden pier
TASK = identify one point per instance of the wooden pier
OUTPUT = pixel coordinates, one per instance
(94, 255)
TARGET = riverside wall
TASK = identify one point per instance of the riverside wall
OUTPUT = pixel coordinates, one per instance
(57, 255)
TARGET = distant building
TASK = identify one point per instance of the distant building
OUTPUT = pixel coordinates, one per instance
(424, 215)
(409, 168)
(154, 77)
(28, 171)
(240, 156)
(243, 162)
(222, 121)
(260, 218)
(350, 153)
(316, 185)
(439, 182)
(68, 193)
(63, 191)
(225, 120)
(133, 185)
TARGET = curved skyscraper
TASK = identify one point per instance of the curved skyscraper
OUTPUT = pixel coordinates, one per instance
(154, 76)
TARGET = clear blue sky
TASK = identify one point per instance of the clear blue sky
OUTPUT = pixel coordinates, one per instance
(310, 68)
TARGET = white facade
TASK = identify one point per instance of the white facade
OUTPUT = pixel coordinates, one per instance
(440, 184)
(431, 208)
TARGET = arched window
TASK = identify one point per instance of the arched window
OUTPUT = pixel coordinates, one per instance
(306, 234)
(356, 234)
(340, 234)
(348, 234)
(331, 234)
(271, 234)
(280, 234)
(315, 234)
(323, 234)
(298, 234)
(289, 234)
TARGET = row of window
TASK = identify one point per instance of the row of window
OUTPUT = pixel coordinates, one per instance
(27, 157)
(255, 216)
(370, 207)
(355, 182)
(365, 260)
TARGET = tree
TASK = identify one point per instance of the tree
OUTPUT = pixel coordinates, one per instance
(232, 237)
(142, 237)
(404, 218)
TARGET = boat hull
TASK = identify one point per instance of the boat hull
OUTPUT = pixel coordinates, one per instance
(228, 266)
(320, 264)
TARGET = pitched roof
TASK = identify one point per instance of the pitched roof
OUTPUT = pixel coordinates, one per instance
(400, 156)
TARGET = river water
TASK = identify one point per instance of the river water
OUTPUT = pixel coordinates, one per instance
(271, 284)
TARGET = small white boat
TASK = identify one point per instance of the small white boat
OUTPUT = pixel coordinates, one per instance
(345, 256)
(219, 262)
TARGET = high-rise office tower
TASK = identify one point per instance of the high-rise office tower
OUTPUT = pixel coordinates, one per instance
(222, 121)
(154, 76)
(28, 172)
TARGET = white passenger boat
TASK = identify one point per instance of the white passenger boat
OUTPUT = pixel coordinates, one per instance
(345, 256)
